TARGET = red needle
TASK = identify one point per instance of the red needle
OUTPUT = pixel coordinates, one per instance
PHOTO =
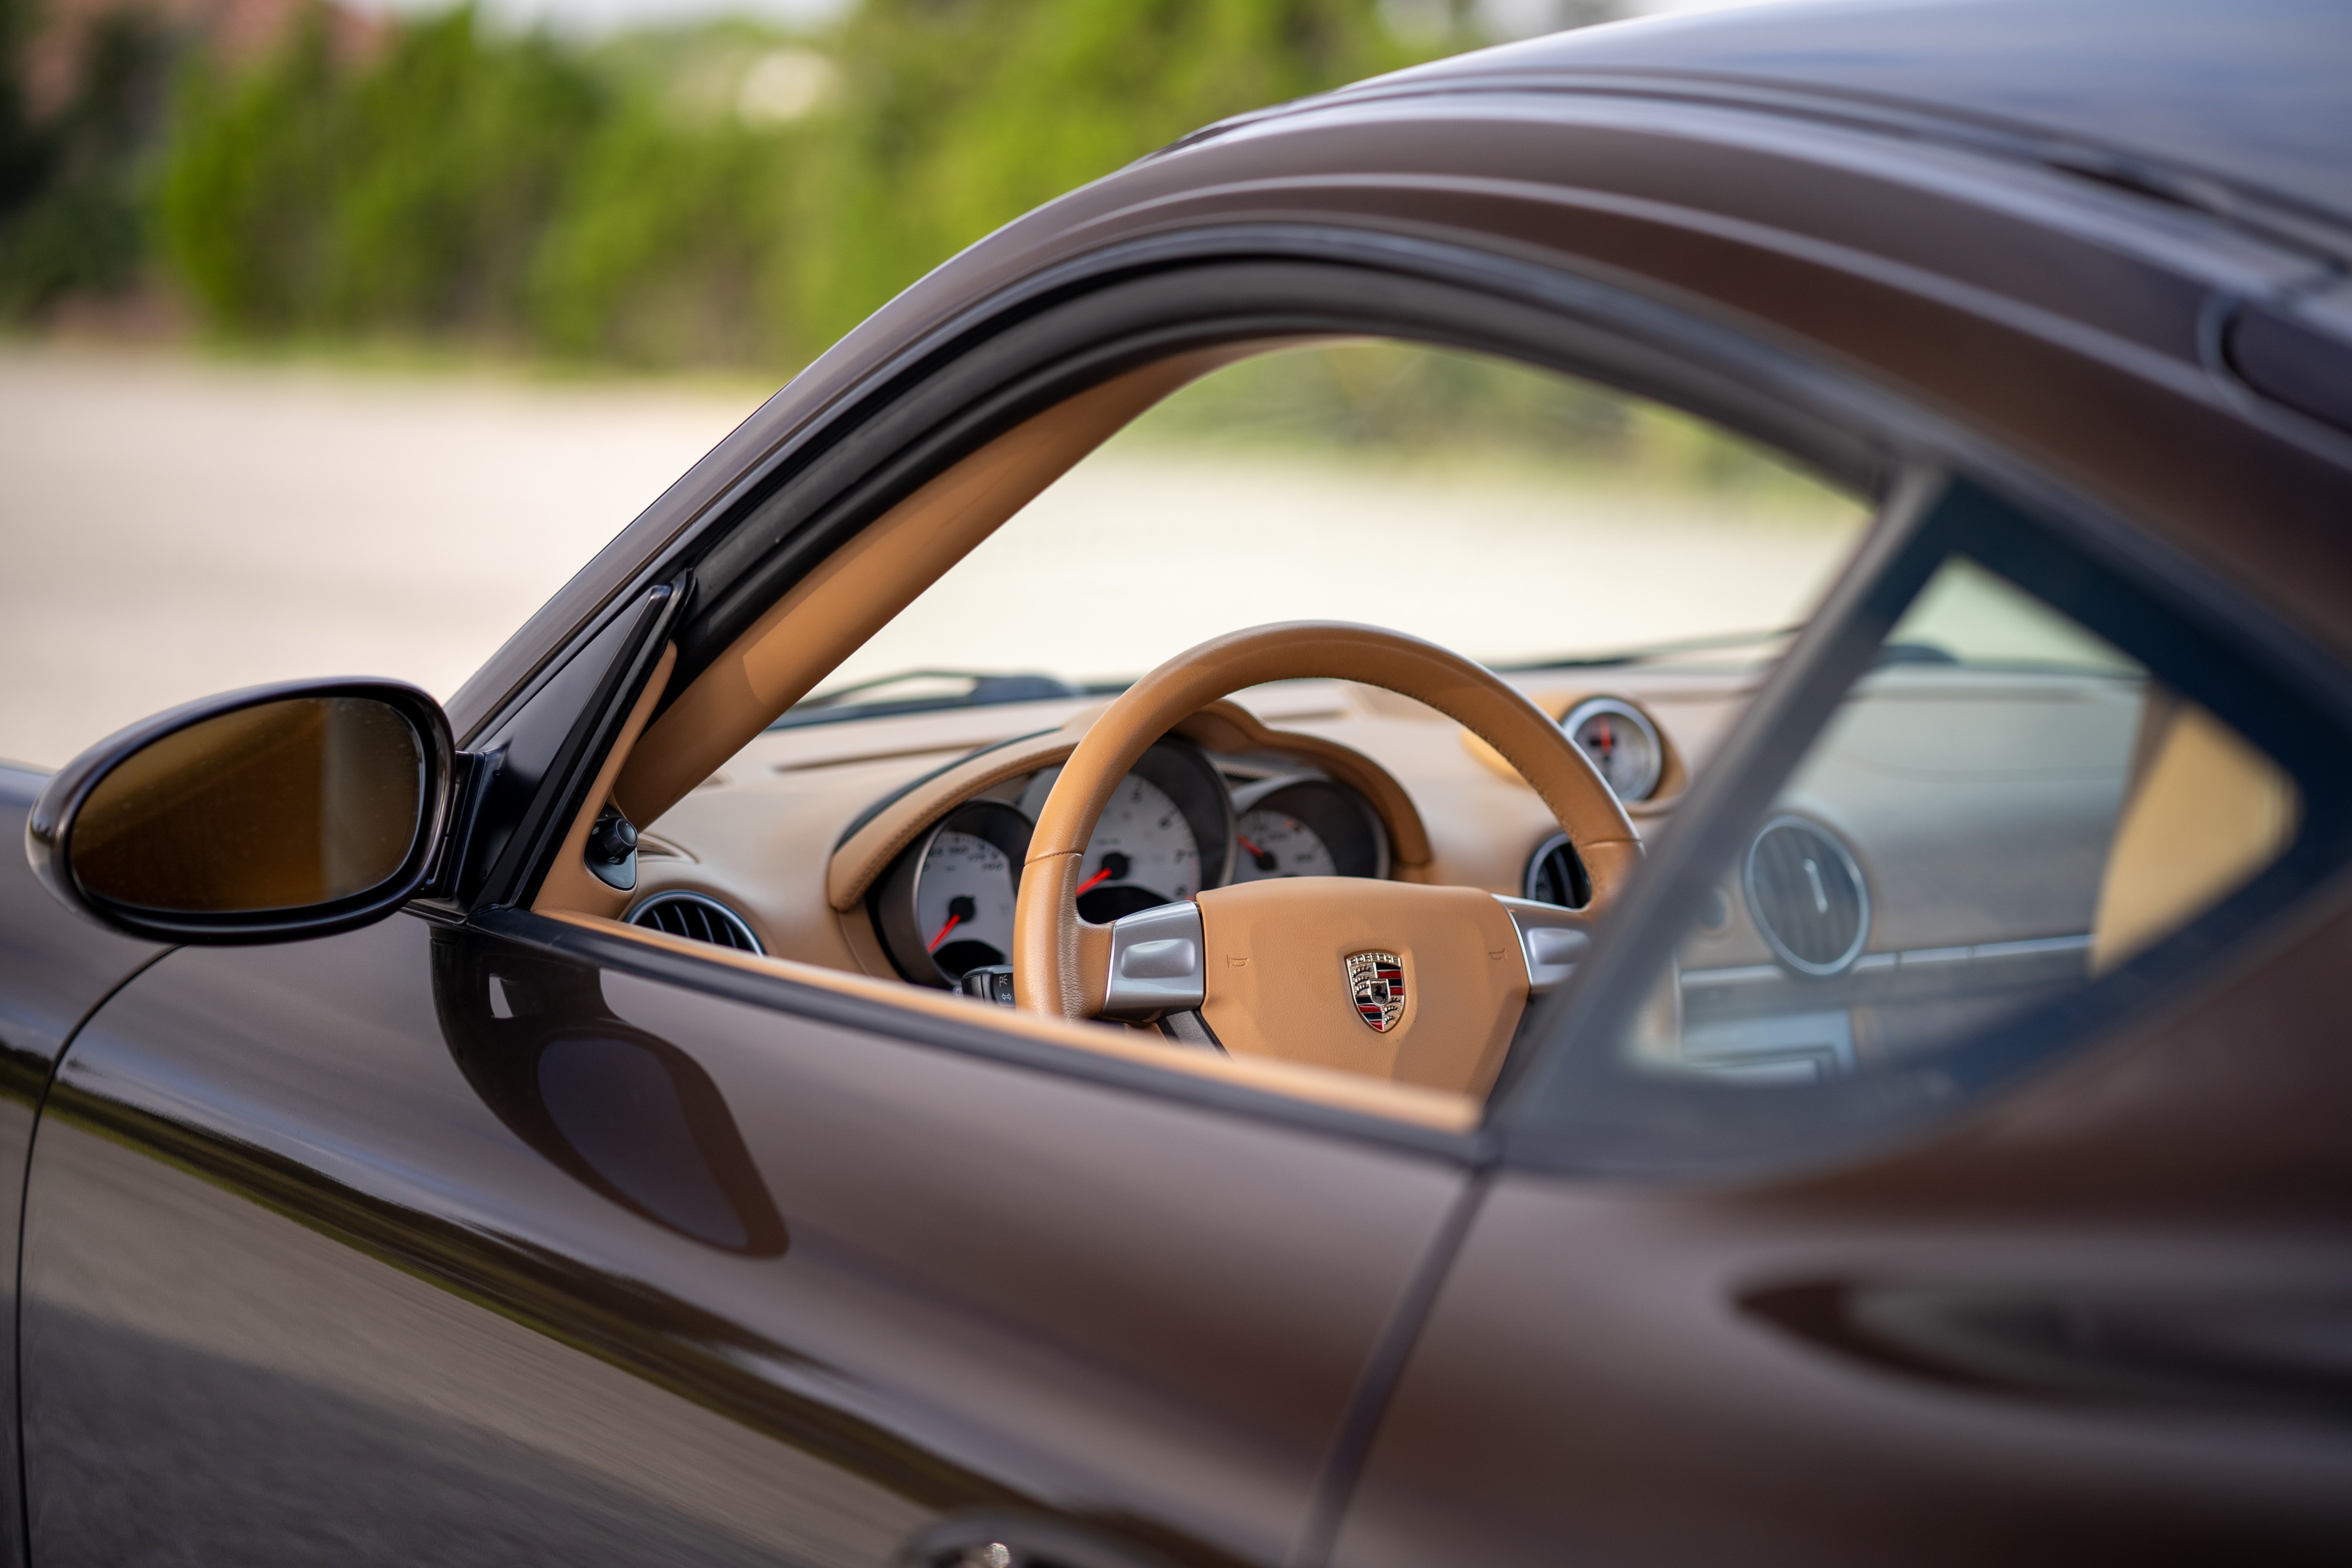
(954, 921)
(1607, 737)
(1101, 876)
(1255, 853)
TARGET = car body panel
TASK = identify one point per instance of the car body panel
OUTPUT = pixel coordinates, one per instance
(478, 1233)
(54, 971)
(2251, 95)
(2105, 1317)
(376, 1245)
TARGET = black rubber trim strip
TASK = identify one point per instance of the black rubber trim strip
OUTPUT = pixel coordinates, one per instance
(523, 866)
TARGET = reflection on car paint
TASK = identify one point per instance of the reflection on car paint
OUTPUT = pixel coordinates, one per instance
(631, 1115)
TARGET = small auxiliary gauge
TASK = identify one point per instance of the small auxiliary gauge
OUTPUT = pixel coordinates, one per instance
(1622, 743)
(945, 903)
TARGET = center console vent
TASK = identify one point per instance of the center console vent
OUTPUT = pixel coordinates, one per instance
(699, 918)
(1807, 896)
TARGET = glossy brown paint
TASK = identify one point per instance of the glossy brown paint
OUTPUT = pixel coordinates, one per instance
(54, 970)
(313, 1270)
(472, 1243)
(2104, 1319)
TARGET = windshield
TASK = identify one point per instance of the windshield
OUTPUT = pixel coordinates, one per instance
(1525, 519)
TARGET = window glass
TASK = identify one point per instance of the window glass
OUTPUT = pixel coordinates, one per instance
(1514, 514)
(2003, 807)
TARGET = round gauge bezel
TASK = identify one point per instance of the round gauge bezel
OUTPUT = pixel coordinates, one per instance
(1183, 772)
(1618, 707)
(1346, 822)
(894, 900)
(1762, 922)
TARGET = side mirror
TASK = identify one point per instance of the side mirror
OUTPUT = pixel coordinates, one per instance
(272, 813)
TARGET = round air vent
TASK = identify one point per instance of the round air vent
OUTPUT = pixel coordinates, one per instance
(1807, 896)
(697, 916)
(1556, 874)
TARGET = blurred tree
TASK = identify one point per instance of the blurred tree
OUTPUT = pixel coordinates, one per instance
(720, 194)
(407, 192)
(659, 250)
(960, 115)
(72, 186)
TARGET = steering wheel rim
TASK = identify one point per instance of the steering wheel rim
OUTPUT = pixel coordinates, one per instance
(1052, 943)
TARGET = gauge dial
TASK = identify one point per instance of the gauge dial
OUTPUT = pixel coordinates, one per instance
(1622, 742)
(1143, 853)
(945, 905)
(1273, 843)
(964, 902)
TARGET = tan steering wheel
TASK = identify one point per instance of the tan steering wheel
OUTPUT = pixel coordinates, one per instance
(1420, 984)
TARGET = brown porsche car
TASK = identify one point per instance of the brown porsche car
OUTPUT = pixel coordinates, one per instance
(1587, 806)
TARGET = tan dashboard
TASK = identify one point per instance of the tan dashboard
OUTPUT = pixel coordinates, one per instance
(793, 832)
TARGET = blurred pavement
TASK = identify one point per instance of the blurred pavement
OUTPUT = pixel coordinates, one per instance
(171, 527)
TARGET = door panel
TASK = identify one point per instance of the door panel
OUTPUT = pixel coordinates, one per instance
(54, 968)
(1606, 1379)
(418, 1243)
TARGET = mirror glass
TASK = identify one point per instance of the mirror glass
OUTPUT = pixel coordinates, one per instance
(284, 805)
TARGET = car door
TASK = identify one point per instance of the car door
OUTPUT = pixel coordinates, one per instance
(431, 1242)
(1994, 1208)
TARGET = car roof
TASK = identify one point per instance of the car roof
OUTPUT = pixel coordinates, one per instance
(2253, 95)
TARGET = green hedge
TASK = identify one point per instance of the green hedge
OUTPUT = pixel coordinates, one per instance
(614, 201)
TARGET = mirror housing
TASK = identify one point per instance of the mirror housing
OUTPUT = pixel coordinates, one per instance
(265, 815)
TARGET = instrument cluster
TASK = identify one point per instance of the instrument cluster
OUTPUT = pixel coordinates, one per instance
(1180, 821)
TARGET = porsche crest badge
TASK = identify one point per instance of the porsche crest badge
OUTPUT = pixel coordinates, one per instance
(1376, 980)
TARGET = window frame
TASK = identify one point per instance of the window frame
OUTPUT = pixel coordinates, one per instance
(1571, 1104)
(1146, 300)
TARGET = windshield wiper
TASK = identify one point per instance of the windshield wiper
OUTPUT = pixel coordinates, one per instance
(1650, 651)
(985, 689)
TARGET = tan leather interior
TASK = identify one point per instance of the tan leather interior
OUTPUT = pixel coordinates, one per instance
(1220, 727)
(855, 592)
(1277, 954)
(1048, 975)
(1346, 1091)
(570, 885)
(2205, 812)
